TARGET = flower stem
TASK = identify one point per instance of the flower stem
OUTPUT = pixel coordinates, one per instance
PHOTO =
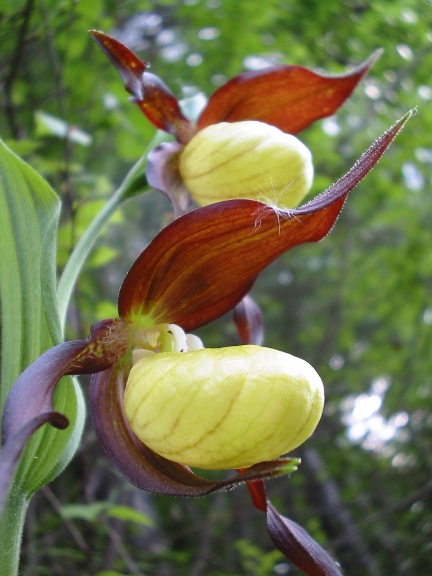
(134, 183)
(11, 529)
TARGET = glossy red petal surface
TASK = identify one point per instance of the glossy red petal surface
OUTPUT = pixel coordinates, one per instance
(205, 262)
(154, 98)
(128, 65)
(140, 465)
(289, 97)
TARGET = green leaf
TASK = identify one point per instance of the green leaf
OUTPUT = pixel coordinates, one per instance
(90, 512)
(29, 211)
(87, 512)
(102, 256)
(128, 514)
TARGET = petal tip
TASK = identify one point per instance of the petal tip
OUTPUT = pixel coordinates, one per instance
(127, 64)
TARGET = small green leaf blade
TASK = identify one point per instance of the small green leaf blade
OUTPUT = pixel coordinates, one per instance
(88, 512)
(92, 511)
(128, 514)
(29, 211)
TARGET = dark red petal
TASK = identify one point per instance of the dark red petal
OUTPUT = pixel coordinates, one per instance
(140, 465)
(289, 97)
(32, 393)
(249, 322)
(30, 401)
(205, 262)
(154, 98)
(128, 65)
(291, 539)
(298, 546)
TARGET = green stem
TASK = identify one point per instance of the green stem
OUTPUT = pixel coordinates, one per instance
(131, 185)
(82, 250)
(11, 529)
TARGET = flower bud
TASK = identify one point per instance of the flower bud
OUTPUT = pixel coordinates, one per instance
(246, 160)
(223, 408)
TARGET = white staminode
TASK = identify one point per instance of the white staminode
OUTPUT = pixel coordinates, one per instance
(179, 338)
(163, 338)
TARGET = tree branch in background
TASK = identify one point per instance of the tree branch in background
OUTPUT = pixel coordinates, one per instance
(14, 69)
(323, 493)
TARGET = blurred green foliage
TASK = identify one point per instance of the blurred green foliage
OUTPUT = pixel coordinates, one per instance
(358, 305)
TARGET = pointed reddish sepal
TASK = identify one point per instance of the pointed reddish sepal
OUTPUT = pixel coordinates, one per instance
(289, 97)
(30, 401)
(249, 322)
(154, 98)
(291, 539)
(128, 65)
(205, 262)
(141, 466)
(298, 546)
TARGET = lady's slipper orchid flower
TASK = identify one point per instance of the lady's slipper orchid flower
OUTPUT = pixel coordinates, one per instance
(225, 408)
(243, 145)
(196, 269)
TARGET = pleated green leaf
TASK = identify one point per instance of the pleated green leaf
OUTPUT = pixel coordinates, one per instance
(29, 211)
